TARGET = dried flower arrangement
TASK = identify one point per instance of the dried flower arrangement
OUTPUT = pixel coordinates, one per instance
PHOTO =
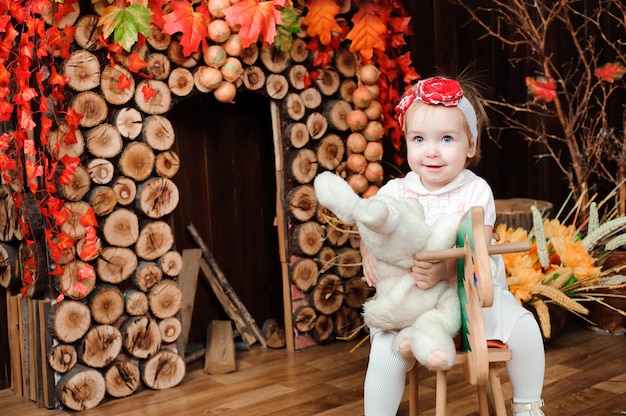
(564, 266)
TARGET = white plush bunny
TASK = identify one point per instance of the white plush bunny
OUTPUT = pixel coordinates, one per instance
(394, 230)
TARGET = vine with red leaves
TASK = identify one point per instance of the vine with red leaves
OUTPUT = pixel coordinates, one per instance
(33, 99)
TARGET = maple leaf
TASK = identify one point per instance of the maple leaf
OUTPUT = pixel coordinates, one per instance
(257, 19)
(290, 26)
(157, 12)
(542, 88)
(368, 31)
(193, 24)
(320, 19)
(125, 23)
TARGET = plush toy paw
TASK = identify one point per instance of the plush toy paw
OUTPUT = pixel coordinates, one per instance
(405, 349)
(437, 360)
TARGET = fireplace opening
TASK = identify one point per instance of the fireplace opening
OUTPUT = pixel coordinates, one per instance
(227, 187)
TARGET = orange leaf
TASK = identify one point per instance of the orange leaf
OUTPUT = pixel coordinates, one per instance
(257, 18)
(368, 32)
(320, 19)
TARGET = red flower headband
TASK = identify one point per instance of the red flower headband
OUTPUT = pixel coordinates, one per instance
(439, 91)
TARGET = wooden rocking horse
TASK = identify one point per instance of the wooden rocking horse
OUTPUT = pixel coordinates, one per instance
(479, 356)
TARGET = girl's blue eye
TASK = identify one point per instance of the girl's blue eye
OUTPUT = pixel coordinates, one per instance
(418, 139)
(447, 139)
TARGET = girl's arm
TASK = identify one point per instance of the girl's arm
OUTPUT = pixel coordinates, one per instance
(428, 274)
(369, 266)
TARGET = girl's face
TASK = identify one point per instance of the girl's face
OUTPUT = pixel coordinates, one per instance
(438, 144)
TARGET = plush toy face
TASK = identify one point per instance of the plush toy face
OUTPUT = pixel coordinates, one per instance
(392, 229)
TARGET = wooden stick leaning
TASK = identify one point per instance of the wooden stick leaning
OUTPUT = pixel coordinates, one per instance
(226, 286)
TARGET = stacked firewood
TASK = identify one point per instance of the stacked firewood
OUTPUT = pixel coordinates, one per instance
(117, 332)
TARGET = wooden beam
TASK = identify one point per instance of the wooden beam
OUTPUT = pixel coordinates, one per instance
(188, 281)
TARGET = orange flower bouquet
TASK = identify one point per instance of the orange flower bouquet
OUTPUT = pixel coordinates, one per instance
(564, 266)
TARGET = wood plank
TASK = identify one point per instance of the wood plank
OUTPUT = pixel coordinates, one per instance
(23, 330)
(45, 339)
(219, 357)
(585, 375)
(33, 351)
(229, 307)
(14, 343)
(188, 281)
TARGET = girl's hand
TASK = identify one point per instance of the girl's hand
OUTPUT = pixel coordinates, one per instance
(369, 266)
(427, 274)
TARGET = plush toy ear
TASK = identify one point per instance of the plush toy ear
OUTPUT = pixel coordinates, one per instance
(337, 195)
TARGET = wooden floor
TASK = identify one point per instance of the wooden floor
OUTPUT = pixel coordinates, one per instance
(585, 375)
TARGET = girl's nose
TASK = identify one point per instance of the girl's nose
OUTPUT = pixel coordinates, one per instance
(432, 149)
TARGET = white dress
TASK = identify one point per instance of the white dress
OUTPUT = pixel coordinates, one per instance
(465, 191)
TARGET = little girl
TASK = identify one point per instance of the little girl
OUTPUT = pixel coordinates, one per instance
(442, 122)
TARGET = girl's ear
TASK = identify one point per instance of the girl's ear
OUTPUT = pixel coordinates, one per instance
(471, 151)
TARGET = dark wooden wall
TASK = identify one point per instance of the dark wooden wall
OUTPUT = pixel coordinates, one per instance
(227, 190)
(445, 41)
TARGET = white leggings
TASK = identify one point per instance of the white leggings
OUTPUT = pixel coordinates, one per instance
(387, 368)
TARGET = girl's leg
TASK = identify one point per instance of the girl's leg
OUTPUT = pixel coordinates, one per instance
(385, 377)
(526, 368)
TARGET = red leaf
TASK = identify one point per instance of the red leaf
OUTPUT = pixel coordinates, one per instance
(89, 219)
(148, 92)
(6, 110)
(29, 148)
(58, 79)
(542, 88)
(256, 19)
(123, 82)
(610, 72)
(193, 24)
(73, 118)
(136, 63)
(7, 163)
(86, 272)
(157, 12)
